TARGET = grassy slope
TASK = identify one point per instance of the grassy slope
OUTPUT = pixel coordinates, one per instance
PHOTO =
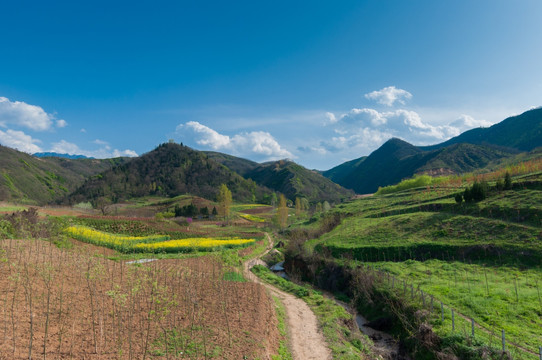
(449, 250)
(28, 179)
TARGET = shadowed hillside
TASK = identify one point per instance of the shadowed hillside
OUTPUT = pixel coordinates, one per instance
(294, 180)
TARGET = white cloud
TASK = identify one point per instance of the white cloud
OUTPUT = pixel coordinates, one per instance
(65, 147)
(19, 113)
(260, 144)
(466, 122)
(369, 128)
(389, 96)
(20, 141)
(208, 136)
(367, 116)
(331, 118)
(127, 153)
(61, 123)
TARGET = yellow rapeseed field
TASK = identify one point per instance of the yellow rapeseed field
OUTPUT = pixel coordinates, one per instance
(153, 243)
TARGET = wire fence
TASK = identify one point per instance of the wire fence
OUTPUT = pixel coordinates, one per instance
(451, 320)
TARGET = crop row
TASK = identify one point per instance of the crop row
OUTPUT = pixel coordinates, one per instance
(252, 218)
(153, 243)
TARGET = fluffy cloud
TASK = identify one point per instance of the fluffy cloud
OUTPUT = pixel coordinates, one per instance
(20, 141)
(65, 147)
(389, 96)
(19, 113)
(258, 144)
(331, 118)
(368, 128)
(465, 122)
(61, 123)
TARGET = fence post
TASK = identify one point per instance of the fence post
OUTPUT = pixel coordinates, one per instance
(404, 286)
(540, 352)
(412, 291)
(503, 342)
(431, 304)
(423, 298)
(472, 326)
(453, 320)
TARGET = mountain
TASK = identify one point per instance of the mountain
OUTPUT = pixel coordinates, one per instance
(383, 166)
(169, 170)
(239, 165)
(32, 180)
(339, 172)
(522, 132)
(66, 156)
(294, 180)
(469, 151)
(397, 160)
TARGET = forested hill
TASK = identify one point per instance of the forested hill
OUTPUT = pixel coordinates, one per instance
(294, 180)
(169, 170)
(31, 180)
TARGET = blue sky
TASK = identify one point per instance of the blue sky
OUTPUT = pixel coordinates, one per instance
(319, 82)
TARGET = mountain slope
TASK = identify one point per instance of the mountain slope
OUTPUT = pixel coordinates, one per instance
(239, 165)
(522, 132)
(339, 172)
(28, 179)
(169, 170)
(294, 180)
(397, 160)
(383, 166)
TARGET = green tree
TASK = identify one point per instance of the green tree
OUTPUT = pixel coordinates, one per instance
(224, 201)
(507, 181)
(298, 206)
(282, 213)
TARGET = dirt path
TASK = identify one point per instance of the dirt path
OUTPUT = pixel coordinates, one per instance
(306, 340)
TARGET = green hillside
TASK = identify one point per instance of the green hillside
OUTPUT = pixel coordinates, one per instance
(28, 179)
(169, 170)
(239, 165)
(481, 259)
(294, 180)
(340, 172)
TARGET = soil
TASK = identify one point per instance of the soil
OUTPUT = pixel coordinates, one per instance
(102, 309)
(306, 340)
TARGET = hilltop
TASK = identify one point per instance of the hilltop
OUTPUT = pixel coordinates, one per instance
(169, 170)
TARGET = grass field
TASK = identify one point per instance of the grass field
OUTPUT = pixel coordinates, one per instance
(482, 259)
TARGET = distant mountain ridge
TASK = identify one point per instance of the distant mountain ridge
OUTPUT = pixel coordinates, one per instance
(65, 156)
(396, 159)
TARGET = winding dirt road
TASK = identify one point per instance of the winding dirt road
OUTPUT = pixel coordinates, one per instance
(306, 340)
